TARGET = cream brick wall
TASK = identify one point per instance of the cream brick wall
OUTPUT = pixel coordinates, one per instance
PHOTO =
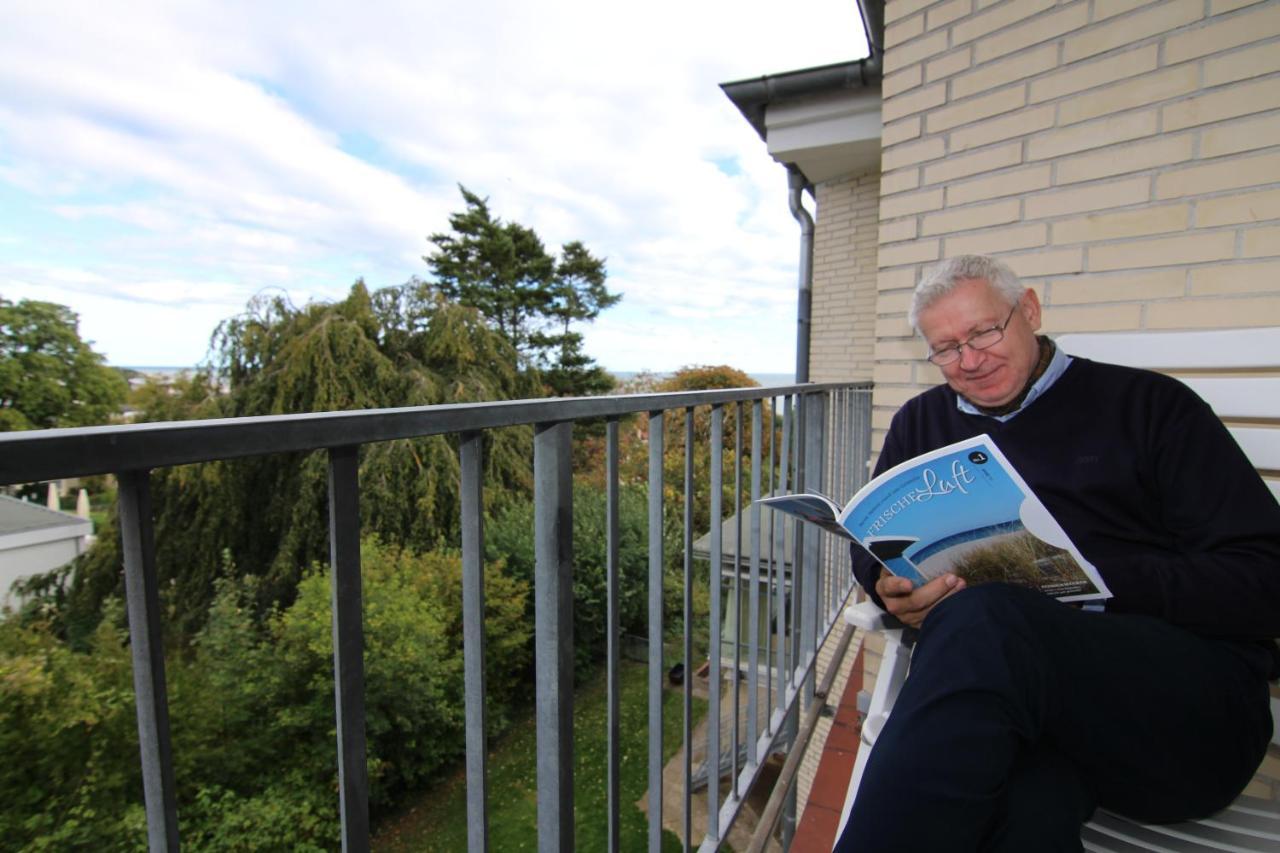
(1122, 155)
(842, 337)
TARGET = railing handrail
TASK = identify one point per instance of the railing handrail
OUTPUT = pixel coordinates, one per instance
(38, 455)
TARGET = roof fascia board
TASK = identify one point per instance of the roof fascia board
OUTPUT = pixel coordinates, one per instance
(76, 528)
(838, 117)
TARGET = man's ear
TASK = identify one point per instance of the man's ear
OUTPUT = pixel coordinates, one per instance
(1031, 308)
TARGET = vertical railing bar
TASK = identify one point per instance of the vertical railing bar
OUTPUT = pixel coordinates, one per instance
(470, 455)
(833, 449)
(831, 576)
(737, 593)
(142, 598)
(717, 562)
(846, 433)
(868, 412)
(855, 459)
(830, 462)
(824, 541)
(846, 453)
(835, 457)
(798, 535)
(804, 469)
(834, 486)
(753, 630)
(553, 632)
(780, 529)
(850, 472)
(770, 564)
(614, 687)
(864, 451)
(820, 593)
(348, 645)
(850, 417)
(656, 421)
(842, 442)
(815, 420)
(797, 587)
(687, 698)
(840, 438)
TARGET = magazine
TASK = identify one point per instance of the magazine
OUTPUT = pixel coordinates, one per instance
(962, 509)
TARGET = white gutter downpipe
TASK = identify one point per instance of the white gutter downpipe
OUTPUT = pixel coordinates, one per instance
(797, 183)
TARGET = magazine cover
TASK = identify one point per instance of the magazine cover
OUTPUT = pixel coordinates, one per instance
(962, 509)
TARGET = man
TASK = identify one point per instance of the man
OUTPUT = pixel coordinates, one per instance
(1022, 714)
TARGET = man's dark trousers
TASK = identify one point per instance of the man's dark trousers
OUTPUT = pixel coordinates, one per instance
(1022, 714)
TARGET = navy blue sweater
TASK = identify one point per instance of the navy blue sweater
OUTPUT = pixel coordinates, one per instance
(1145, 480)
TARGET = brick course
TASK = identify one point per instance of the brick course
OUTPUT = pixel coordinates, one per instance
(846, 236)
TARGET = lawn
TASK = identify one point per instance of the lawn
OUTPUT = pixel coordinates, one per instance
(438, 820)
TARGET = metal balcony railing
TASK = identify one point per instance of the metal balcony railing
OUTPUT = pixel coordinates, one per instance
(822, 444)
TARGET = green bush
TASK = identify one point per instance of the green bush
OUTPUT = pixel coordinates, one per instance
(509, 537)
(70, 778)
(252, 711)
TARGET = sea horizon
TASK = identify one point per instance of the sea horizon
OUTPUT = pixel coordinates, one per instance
(765, 379)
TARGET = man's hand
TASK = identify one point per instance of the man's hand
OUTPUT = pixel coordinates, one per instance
(911, 604)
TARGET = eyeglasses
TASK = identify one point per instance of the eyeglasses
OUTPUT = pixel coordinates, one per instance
(978, 340)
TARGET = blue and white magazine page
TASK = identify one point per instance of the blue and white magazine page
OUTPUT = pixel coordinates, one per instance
(964, 509)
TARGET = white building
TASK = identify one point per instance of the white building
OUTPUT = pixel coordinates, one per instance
(34, 540)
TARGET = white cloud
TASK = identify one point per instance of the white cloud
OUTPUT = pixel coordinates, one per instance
(194, 153)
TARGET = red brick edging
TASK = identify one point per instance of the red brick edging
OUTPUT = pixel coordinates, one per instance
(816, 832)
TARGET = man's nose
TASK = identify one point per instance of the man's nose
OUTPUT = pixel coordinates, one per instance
(970, 358)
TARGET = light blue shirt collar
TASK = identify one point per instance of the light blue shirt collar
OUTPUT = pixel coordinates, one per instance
(1057, 365)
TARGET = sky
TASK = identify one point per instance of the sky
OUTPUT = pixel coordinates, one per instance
(162, 163)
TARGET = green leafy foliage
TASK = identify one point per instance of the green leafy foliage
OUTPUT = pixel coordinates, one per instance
(503, 270)
(510, 536)
(397, 347)
(497, 325)
(70, 779)
(49, 377)
(189, 395)
(634, 452)
(252, 710)
(241, 547)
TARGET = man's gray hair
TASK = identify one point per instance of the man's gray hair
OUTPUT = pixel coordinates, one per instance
(941, 279)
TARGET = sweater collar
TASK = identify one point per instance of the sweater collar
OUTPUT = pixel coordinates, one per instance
(1053, 362)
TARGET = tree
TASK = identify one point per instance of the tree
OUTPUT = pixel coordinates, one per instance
(399, 347)
(49, 377)
(634, 440)
(503, 270)
(189, 395)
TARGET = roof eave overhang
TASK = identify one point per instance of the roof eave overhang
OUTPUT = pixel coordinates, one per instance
(824, 120)
(753, 95)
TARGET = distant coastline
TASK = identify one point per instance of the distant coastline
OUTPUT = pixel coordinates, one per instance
(170, 371)
(154, 368)
(765, 379)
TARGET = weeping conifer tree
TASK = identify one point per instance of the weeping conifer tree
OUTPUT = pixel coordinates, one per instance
(267, 516)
